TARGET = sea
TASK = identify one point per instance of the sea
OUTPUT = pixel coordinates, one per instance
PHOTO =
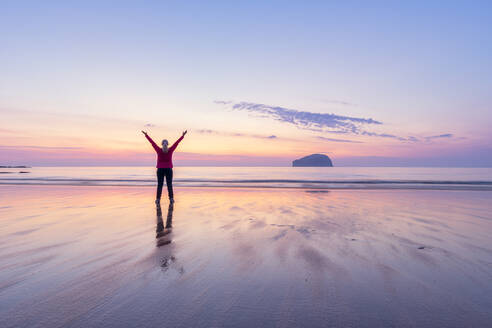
(311, 178)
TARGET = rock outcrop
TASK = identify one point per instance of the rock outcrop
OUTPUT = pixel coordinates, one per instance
(14, 167)
(314, 160)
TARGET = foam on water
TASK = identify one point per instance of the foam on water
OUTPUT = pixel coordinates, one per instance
(262, 177)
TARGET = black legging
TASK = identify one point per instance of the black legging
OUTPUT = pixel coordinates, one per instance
(161, 172)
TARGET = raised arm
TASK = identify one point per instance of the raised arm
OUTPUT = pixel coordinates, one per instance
(173, 147)
(156, 148)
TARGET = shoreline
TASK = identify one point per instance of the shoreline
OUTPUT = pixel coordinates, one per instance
(355, 188)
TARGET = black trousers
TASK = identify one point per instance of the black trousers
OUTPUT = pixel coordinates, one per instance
(168, 173)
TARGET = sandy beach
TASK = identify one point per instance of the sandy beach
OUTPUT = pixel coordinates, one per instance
(73, 256)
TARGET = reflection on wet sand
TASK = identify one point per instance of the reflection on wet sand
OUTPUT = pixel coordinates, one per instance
(164, 237)
(244, 258)
(163, 233)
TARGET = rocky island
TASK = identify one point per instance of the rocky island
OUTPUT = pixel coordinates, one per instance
(313, 160)
(14, 167)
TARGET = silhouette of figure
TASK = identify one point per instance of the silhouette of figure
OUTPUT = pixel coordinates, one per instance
(164, 165)
(160, 230)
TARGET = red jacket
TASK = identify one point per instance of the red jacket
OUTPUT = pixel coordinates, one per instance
(164, 160)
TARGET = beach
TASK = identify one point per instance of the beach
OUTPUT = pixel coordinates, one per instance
(92, 256)
(255, 164)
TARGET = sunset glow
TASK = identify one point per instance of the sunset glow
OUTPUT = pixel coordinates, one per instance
(366, 87)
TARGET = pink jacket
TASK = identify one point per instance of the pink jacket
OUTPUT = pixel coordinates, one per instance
(164, 160)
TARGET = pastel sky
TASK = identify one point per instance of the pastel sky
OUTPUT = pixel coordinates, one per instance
(369, 83)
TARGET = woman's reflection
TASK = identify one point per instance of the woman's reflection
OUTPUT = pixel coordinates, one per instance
(162, 233)
(164, 255)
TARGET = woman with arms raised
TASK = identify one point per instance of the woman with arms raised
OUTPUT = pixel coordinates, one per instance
(164, 165)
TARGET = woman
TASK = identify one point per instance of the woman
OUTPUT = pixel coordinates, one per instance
(164, 165)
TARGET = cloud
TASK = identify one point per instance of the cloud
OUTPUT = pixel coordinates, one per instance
(386, 135)
(205, 131)
(222, 102)
(340, 102)
(7, 131)
(410, 138)
(234, 134)
(322, 122)
(440, 136)
(40, 147)
(304, 119)
(337, 140)
(149, 125)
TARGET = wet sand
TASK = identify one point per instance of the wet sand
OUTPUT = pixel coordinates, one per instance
(106, 256)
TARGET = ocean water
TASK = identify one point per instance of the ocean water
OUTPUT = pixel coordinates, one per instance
(261, 177)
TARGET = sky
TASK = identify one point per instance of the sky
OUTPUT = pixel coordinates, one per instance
(255, 83)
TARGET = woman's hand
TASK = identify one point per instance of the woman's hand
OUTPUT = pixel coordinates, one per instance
(144, 132)
(185, 132)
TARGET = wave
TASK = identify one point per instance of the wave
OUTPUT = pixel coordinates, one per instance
(267, 183)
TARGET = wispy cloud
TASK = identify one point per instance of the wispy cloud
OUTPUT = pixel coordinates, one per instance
(410, 138)
(7, 131)
(387, 135)
(40, 147)
(338, 140)
(149, 125)
(323, 122)
(340, 102)
(222, 102)
(234, 134)
(440, 136)
(304, 119)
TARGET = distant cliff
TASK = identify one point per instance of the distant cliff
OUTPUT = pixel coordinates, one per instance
(315, 160)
